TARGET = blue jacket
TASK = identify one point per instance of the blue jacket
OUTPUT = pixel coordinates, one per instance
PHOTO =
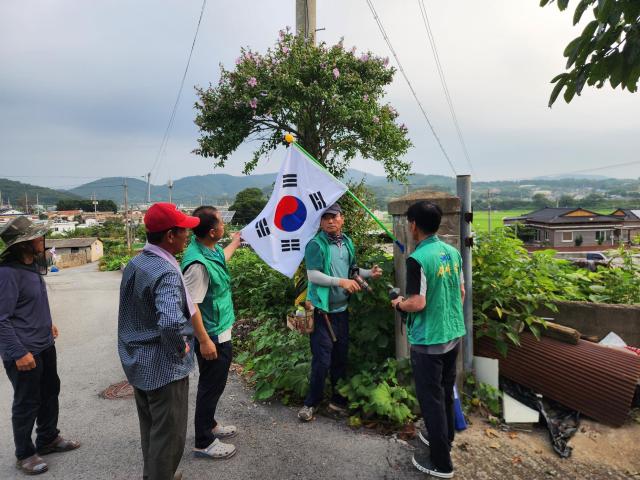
(153, 323)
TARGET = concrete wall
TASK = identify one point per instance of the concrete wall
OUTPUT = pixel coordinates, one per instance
(96, 251)
(598, 319)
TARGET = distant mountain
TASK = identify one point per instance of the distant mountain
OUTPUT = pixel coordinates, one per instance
(14, 192)
(219, 188)
(577, 177)
(214, 188)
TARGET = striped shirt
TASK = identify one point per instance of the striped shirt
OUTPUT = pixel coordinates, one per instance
(153, 323)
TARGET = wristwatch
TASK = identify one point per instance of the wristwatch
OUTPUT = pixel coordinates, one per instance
(398, 307)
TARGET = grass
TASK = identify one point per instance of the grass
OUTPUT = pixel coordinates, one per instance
(481, 218)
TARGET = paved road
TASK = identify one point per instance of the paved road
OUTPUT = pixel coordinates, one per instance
(272, 443)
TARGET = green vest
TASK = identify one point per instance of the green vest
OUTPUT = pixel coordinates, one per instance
(316, 294)
(442, 319)
(217, 306)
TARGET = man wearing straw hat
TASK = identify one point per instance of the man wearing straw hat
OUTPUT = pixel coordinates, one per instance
(27, 345)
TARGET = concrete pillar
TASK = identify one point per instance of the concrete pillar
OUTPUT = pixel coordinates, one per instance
(449, 232)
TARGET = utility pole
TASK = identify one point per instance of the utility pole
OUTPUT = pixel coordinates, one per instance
(170, 185)
(466, 244)
(306, 19)
(126, 214)
(489, 208)
(26, 203)
(149, 188)
(95, 206)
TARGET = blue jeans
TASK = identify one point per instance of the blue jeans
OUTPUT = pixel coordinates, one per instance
(328, 356)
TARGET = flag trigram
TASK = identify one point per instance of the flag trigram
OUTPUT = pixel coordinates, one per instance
(262, 228)
(289, 180)
(318, 201)
(290, 245)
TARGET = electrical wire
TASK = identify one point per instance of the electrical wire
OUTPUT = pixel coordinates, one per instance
(167, 132)
(404, 74)
(443, 81)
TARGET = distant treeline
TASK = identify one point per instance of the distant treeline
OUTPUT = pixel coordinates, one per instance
(87, 205)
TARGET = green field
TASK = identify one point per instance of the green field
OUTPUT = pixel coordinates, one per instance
(481, 218)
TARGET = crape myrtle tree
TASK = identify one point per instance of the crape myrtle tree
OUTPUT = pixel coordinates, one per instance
(328, 97)
(608, 49)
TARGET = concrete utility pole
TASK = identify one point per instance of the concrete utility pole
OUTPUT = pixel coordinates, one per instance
(466, 242)
(170, 185)
(95, 205)
(149, 187)
(306, 19)
(126, 214)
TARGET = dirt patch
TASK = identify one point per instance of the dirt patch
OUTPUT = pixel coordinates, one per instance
(486, 452)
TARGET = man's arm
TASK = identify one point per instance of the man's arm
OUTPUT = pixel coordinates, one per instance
(230, 249)
(13, 347)
(196, 280)
(416, 289)
(171, 319)
(323, 280)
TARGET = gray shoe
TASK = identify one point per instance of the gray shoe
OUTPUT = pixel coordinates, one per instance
(216, 451)
(306, 413)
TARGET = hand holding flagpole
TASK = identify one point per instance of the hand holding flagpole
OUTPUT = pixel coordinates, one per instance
(291, 140)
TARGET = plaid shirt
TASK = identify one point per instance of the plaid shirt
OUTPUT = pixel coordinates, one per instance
(153, 323)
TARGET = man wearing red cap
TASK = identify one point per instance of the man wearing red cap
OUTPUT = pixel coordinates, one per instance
(154, 339)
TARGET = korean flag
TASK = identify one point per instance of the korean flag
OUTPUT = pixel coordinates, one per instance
(303, 191)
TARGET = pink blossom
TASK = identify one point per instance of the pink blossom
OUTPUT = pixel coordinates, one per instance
(364, 57)
(353, 50)
(376, 119)
(281, 34)
(252, 82)
(238, 60)
(336, 73)
(403, 127)
(285, 49)
(385, 61)
(365, 97)
(253, 103)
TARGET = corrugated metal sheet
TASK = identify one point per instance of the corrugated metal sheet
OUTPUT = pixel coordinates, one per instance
(595, 380)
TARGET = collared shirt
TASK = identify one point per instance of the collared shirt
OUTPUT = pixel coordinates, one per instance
(154, 322)
(25, 318)
(162, 253)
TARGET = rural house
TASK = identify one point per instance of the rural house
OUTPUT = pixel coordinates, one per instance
(73, 252)
(571, 227)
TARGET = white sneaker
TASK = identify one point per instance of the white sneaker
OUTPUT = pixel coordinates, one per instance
(306, 413)
(225, 431)
(216, 451)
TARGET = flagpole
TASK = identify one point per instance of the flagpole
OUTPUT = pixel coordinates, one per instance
(289, 138)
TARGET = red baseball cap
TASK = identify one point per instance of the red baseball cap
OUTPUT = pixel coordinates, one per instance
(163, 216)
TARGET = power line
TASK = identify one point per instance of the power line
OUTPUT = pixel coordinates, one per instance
(443, 81)
(413, 92)
(167, 132)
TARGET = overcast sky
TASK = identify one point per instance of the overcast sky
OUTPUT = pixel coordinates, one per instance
(86, 88)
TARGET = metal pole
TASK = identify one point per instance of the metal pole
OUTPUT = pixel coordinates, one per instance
(466, 242)
(170, 185)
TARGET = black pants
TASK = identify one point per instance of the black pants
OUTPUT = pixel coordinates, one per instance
(163, 427)
(328, 356)
(213, 380)
(35, 401)
(435, 376)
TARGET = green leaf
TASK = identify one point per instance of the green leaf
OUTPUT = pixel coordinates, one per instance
(562, 4)
(603, 10)
(513, 337)
(580, 9)
(264, 392)
(556, 90)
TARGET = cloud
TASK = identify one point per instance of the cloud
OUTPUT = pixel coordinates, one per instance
(87, 87)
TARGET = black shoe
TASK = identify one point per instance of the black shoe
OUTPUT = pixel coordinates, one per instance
(424, 438)
(422, 461)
